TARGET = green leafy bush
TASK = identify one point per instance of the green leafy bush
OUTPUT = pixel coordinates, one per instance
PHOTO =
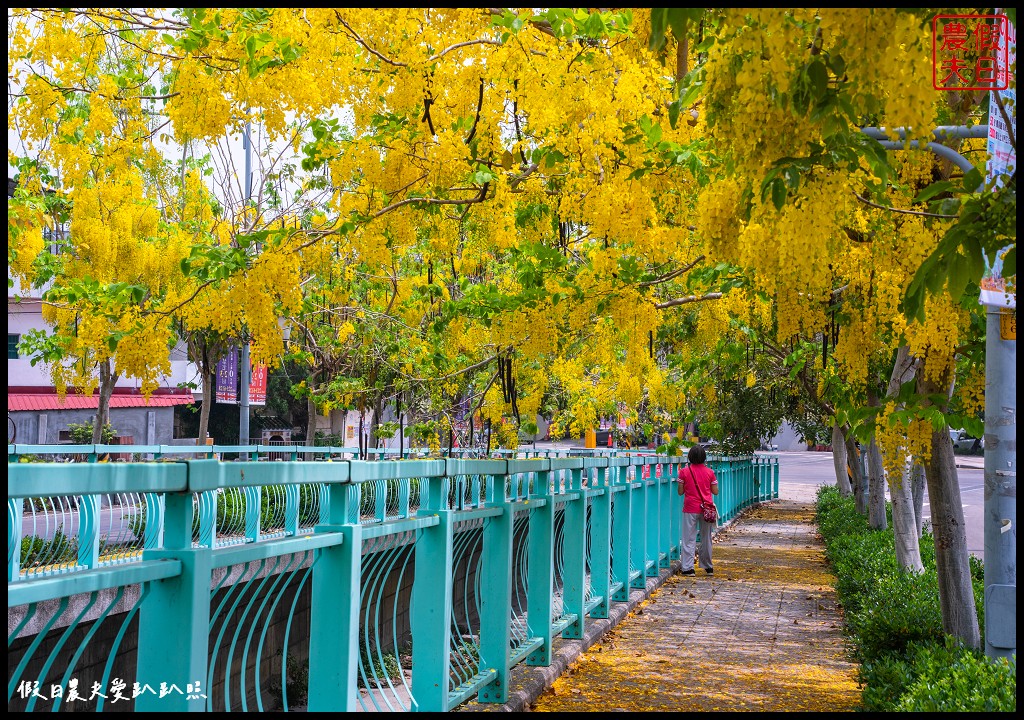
(81, 433)
(955, 679)
(894, 621)
(899, 610)
(37, 551)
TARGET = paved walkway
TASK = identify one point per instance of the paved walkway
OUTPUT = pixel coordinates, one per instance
(763, 634)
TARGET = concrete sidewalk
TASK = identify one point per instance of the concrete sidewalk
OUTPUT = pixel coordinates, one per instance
(763, 633)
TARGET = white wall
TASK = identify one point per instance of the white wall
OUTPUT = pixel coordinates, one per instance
(788, 439)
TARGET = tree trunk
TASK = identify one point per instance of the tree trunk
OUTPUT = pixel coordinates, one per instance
(378, 409)
(956, 594)
(839, 460)
(917, 491)
(204, 411)
(310, 419)
(857, 470)
(904, 513)
(905, 522)
(876, 488)
(107, 381)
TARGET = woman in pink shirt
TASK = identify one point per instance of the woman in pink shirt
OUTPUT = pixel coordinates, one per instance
(697, 484)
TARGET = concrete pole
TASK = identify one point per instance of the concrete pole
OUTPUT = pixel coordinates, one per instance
(1000, 490)
(245, 369)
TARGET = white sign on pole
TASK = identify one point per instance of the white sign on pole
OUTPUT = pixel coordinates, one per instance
(1002, 162)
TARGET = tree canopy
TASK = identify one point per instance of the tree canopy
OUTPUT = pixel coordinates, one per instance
(506, 211)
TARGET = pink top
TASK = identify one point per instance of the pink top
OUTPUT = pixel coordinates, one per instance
(697, 481)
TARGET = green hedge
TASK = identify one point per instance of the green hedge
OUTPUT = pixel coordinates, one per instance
(893, 620)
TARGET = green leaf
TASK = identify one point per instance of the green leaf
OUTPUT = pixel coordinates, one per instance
(689, 95)
(934, 281)
(972, 180)
(673, 113)
(1010, 263)
(959, 275)
(779, 193)
(837, 64)
(659, 22)
(818, 75)
(932, 190)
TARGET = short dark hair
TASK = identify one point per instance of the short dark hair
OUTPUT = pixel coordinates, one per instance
(697, 455)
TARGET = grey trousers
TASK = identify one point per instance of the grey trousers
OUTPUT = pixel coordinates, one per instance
(686, 547)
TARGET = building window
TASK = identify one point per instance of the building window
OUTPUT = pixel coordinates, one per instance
(12, 346)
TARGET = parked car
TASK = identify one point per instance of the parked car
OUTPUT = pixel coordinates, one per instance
(964, 444)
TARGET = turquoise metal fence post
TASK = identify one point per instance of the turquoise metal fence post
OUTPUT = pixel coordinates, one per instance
(334, 605)
(664, 517)
(638, 523)
(600, 538)
(431, 603)
(174, 621)
(730, 493)
(775, 477)
(495, 579)
(574, 546)
(675, 521)
(622, 531)
(541, 571)
(766, 480)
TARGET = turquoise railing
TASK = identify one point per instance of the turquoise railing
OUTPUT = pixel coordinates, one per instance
(389, 585)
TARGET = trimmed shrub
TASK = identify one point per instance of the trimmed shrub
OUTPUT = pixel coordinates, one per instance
(960, 680)
(899, 610)
(895, 623)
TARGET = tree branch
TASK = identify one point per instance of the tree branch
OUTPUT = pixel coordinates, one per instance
(688, 299)
(674, 274)
(362, 42)
(479, 106)
(448, 49)
(901, 210)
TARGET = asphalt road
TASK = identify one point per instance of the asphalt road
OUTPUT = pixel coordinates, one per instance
(801, 473)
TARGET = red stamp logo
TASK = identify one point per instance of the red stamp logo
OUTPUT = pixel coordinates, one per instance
(970, 52)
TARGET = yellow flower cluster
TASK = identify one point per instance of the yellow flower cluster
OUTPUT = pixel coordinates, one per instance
(970, 391)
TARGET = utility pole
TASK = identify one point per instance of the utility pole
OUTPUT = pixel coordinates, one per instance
(1000, 445)
(245, 368)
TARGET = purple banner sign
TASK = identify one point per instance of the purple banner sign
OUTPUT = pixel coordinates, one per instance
(227, 378)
